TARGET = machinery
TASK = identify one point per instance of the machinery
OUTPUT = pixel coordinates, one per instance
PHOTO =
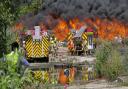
(36, 45)
(82, 41)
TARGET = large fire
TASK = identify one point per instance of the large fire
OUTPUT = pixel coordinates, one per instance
(106, 29)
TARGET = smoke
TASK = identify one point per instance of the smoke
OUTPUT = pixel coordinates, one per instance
(67, 9)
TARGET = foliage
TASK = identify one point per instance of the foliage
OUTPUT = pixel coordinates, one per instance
(108, 61)
(34, 6)
(102, 53)
(125, 63)
(7, 17)
(126, 41)
(105, 48)
(113, 66)
(10, 79)
(10, 11)
(9, 41)
(21, 78)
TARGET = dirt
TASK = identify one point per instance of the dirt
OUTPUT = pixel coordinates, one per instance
(99, 84)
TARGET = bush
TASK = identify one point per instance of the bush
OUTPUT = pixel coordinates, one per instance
(126, 41)
(113, 66)
(13, 80)
(108, 61)
(10, 79)
(125, 63)
(102, 53)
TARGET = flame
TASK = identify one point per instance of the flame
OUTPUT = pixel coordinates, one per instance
(108, 29)
(73, 23)
(76, 24)
(18, 27)
(105, 28)
(61, 30)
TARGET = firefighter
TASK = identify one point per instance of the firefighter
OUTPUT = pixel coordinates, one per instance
(54, 47)
(71, 46)
(84, 46)
(15, 59)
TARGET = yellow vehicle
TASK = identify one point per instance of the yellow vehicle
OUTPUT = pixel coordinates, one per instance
(37, 46)
(83, 40)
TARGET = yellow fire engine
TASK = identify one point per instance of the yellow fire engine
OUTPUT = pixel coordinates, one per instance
(36, 45)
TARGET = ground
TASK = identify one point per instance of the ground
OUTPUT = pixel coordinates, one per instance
(99, 84)
(63, 56)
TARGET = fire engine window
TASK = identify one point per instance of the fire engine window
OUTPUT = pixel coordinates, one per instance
(90, 40)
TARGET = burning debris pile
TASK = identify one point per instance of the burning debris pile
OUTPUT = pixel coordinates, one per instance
(108, 29)
(105, 28)
(108, 17)
(61, 30)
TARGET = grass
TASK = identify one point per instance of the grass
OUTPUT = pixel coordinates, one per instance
(108, 61)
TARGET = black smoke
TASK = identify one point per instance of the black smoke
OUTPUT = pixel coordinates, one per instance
(67, 9)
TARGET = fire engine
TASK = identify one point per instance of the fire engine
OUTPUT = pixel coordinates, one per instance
(36, 45)
(82, 41)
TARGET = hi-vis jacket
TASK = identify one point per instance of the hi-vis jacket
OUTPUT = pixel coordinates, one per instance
(14, 60)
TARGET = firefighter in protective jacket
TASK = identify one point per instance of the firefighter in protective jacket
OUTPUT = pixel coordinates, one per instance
(15, 59)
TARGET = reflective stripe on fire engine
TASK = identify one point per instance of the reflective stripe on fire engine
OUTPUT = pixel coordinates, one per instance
(46, 44)
(28, 46)
(37, 52)
(69, 36)
(36, 48)
(84, 36)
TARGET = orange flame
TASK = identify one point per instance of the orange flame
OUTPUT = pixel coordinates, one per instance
(19, 26)
(61, 30)
(76, 24)
(108, 29)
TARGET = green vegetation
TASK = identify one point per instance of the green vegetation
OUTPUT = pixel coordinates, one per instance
(11, 79)
(113, 67)
(125, 63)
(32, 7)
(22, 79)
(10, 12)
(108, 61)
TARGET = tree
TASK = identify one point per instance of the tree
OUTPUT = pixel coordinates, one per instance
(10, 11)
